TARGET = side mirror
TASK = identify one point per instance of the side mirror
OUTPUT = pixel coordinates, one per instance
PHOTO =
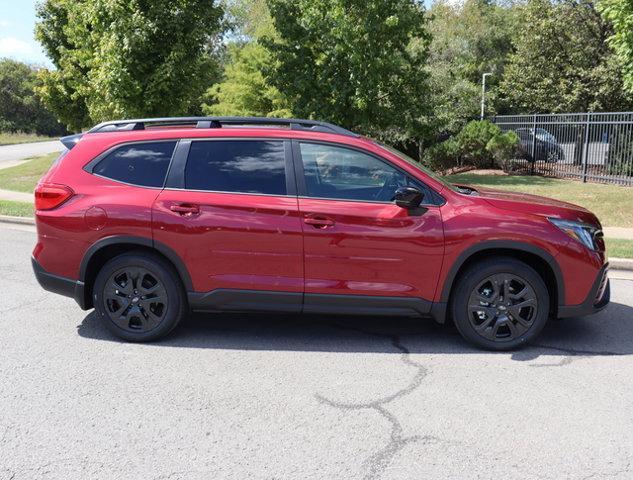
(408, 197)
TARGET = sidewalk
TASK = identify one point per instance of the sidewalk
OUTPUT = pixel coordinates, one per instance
(618, 232)
(16, 196)
(12, 155)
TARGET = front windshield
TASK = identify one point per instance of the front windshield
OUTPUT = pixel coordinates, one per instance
(418, 165)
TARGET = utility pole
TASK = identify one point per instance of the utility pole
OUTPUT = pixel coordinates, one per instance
(483, 93)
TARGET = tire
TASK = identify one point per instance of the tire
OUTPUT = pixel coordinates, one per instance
(500, 304)
(139, 297)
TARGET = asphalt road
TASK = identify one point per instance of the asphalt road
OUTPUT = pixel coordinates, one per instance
(271, 397)
(11, 155)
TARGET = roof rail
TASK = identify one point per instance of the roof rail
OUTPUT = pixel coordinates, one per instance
(218, 122)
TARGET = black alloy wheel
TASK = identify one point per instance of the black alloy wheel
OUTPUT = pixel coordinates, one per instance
(135, 299)
(502, 307)
(500, 303)
(139, 296)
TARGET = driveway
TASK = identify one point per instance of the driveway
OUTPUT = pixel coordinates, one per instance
(288, 397)
(11, 155)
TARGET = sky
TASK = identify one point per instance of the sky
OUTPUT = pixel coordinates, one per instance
(17, 21)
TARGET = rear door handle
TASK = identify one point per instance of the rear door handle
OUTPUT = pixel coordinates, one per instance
(318, 221)
(185, 209)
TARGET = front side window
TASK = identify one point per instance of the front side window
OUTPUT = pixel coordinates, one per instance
(343, 173)
(242, 166)
(143, 164)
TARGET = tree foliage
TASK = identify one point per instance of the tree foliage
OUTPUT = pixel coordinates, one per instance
(244, 89)
(356, 63)
(126, 58)
(562, 62)
(467, 40)
(620, 14)
(20, 108)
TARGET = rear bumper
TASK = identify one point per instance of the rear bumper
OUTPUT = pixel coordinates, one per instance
(61, 285)
(597, 299)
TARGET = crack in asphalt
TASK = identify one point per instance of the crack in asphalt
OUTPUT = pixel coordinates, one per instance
(380, 460)
(570, 355)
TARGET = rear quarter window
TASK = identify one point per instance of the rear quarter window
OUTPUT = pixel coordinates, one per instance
(143, 164)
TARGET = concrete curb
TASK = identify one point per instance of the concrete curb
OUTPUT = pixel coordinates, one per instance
(621, 264)
(17, 220)
(614, 263)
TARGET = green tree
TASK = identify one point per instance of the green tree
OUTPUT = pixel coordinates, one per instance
(467, 40)
(127, 58)
(562, 62)
(353, 62)
(244, 89)
(20, 108)
(620, 14)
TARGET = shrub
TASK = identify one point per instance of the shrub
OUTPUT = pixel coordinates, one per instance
(502, 147)
(441, 156)
(480, 144)
(472, 141)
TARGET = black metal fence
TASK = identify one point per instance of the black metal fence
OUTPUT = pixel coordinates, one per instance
(587, 146)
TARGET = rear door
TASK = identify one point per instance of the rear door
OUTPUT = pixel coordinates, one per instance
(357, 242)
(230, 211)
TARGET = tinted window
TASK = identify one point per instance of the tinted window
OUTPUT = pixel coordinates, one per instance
(237, 166)
(143, 164)
(337, 172)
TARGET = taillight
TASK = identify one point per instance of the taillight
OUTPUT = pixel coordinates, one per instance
(51, 195)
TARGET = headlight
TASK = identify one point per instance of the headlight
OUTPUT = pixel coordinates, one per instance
(583, 232)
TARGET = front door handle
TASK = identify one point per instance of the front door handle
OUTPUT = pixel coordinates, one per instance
(185, 209)
(318, 221)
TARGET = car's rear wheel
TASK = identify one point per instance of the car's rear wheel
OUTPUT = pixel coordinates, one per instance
(500, 304)
(139, 297)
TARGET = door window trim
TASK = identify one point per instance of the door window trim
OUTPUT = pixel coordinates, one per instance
(302, 189)
(176, 174)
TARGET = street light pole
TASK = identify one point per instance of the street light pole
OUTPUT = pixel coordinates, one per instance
(483, 93)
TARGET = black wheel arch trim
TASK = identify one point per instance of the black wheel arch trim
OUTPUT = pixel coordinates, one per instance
(503, 245)
(161, 248)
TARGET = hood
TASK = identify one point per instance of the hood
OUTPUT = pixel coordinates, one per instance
(537, 205)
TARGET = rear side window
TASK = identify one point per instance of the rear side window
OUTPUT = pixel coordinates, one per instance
(143, 164)
(243, 166)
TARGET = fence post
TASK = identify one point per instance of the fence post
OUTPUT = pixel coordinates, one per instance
(585, 151)
(533, 144)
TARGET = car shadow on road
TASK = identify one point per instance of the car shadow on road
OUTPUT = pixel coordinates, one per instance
(609, 332)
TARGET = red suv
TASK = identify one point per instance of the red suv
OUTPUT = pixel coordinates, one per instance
(145, 220)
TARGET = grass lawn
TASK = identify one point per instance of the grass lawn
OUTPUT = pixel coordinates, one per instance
(611, 203)
(16, 209)
(619, 248)
(22, 178)
(11, 138)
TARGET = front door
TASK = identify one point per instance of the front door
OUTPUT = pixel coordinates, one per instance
(235, 223)
(357, 242)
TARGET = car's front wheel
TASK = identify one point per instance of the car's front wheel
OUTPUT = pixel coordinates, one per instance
(500, 304)
(139, 297)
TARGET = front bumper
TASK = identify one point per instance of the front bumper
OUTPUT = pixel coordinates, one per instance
(61, 285)
(598, 298)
